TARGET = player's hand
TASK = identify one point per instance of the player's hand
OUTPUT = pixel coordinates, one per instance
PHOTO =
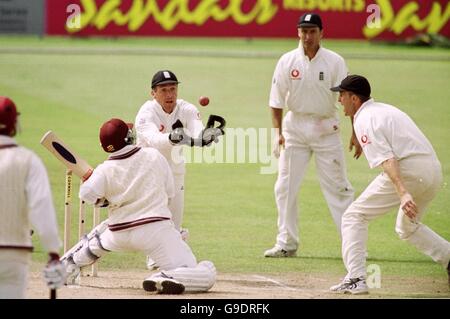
(54, 272)
(408, 206)
(278, 145)
(179, 136)
(211, 134)
(355, 143)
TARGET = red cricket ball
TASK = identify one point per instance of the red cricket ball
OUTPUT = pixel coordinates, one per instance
(203, 100)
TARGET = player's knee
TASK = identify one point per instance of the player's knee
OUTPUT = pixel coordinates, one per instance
(280, 188)
(210, 272)
(91, 250)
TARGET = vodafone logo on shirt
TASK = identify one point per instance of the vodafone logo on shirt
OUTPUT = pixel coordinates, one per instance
(365, 140)
(295, 74)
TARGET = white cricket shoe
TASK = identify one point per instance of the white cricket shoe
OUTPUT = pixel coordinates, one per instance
(163, 284)
(277, 252)
(354, 286)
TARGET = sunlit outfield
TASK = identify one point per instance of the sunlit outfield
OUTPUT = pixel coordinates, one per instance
(230, 209)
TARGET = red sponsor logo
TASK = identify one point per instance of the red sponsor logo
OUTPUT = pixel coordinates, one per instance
(365, 140)
(161, 127)
(295, 74)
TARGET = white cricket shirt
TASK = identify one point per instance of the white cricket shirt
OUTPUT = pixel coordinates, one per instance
(304, 86)
(25, 199)
(385, 132)
(136, 187)
(153, 127)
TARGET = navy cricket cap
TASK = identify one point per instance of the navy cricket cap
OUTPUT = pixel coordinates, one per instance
(310, 20)
(354, 83)
(164, 77)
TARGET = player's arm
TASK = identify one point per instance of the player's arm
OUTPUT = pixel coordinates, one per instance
(92, 191)
(354, 143)
(392, 169)
(194, 123)
(277, 100)
(148, 133)
(40, 206)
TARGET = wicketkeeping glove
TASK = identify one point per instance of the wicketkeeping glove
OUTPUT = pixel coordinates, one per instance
(179, 136)
(54, 272)
(211, 134)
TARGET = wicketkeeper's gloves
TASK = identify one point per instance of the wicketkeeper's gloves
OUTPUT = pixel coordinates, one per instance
(179, 137)
(210, 134)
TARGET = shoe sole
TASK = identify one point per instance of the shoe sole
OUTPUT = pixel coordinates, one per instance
(281, 256)
(168, 287)
(149, 285)
(346, 292)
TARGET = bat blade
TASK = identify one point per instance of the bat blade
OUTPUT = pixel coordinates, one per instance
(66, 156)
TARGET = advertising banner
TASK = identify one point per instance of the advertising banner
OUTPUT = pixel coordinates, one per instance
(345, 19)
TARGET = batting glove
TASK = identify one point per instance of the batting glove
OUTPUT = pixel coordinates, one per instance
(54, 272)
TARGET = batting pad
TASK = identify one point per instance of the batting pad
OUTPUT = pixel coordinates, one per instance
(198, 279)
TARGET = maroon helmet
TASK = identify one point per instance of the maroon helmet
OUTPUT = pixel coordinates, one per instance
(115, 134)
(8, 116)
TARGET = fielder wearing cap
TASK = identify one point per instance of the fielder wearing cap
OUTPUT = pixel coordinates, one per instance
(25, 202)
(137, 185)
(154, 123)
(301, 83)
(411, 178)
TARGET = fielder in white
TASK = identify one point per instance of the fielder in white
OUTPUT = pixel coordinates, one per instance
(25, 203)
(137, 184)
(154, 123)
(411, 178)
(301, 82)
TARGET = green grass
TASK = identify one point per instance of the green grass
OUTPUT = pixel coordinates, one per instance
(229, 208)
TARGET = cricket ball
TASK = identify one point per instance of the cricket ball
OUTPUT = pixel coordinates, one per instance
(203, 100)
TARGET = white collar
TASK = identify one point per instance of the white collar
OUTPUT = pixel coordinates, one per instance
(361, 107)
(302, 52)
(6, 140)
(161, 110)
(123, 150)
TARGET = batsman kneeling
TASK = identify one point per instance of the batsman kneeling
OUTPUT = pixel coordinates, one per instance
(137, 185)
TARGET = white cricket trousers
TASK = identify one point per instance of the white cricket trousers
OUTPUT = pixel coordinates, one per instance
(305, 135)
(13, 273)
(176, 204)
(422, 176)
(159, 240)
(162, 243)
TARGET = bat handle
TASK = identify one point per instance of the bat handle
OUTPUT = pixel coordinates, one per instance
(52, 293)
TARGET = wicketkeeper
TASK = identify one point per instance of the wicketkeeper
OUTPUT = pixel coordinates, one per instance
(155, 122)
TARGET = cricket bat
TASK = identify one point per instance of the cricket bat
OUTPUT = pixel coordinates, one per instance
(71, 160)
